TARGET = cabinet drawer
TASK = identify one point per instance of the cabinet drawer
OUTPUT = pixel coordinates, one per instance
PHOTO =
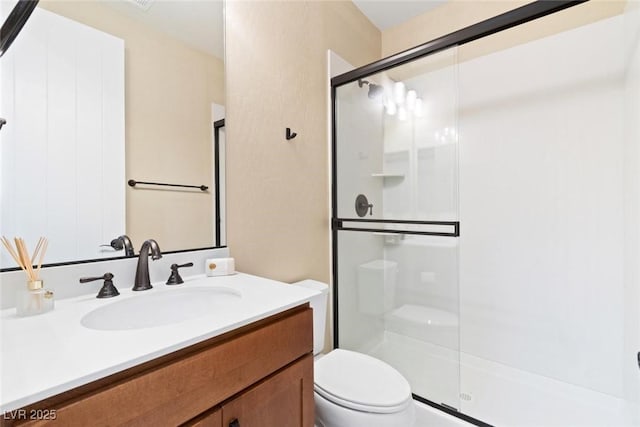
(173, 393)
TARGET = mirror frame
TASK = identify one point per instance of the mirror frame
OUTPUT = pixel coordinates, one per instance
(217, 125)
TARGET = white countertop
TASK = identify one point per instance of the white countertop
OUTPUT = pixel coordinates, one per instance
(41, 356)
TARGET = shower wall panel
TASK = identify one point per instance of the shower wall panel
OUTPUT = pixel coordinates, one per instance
(360, 142)
(362, 294)
(632, 204)
(359, 149)
(397, 280)
(427, 273)
(542, 164)
(532, 315)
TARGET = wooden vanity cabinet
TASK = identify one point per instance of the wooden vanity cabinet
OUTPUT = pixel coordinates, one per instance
(279, 400)
(259, 375)
(212, 418)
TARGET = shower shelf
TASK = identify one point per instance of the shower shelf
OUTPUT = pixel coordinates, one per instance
(388, 175)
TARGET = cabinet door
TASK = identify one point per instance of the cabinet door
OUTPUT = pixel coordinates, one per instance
(285, 399)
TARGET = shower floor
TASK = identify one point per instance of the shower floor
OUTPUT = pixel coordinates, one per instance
(496, 393)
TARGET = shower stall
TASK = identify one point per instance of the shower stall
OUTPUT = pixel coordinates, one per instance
(486, 216)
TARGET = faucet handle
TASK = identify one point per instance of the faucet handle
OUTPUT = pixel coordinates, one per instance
(116, 245)
(174, 278)
(120, 243)
(108, 290)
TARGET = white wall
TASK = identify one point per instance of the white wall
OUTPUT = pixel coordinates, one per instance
(63, 145)
(632, 204)
(542, 163)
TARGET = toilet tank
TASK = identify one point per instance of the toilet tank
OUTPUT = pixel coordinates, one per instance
(319, 305)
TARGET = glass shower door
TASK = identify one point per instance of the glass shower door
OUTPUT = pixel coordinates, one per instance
(396, 222)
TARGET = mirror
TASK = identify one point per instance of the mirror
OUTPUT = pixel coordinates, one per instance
(98, 93)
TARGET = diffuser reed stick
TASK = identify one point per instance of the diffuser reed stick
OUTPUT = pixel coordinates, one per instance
(20, 255)
(45, 245)
(36, 250)
(34, 298)
(10, 249)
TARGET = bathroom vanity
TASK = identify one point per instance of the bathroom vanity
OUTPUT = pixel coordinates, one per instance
(249, 364)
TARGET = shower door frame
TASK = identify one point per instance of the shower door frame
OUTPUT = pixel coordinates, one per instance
(496, 24)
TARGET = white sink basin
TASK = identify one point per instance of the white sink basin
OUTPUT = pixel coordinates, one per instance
(158, 309)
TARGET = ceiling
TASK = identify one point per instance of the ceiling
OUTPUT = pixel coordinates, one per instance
(197, 23)
(200, 23)
(386, 14)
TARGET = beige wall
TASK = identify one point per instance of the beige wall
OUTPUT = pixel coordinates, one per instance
(451, 16)
(457, 14)
(278, 190)
(169, 91)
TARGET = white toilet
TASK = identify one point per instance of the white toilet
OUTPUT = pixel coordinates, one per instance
(353, 389)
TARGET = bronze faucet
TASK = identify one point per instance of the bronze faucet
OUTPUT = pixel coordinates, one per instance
(142, 281)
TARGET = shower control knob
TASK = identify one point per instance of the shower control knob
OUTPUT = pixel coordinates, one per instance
(363, 205)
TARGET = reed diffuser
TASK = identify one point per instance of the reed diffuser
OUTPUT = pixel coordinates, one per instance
(34, 298)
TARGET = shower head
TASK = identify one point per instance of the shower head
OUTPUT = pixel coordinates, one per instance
(374, 89)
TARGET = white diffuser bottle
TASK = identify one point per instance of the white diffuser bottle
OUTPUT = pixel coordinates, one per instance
(34, 299)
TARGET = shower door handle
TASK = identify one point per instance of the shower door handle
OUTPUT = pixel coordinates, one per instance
(363, 205)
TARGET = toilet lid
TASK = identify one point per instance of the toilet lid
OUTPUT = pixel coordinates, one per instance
(361, 382)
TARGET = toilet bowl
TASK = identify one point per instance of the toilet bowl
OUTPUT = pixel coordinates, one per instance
(353, 389)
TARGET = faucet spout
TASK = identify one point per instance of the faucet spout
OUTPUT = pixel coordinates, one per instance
(128, 246)
(142, 281)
